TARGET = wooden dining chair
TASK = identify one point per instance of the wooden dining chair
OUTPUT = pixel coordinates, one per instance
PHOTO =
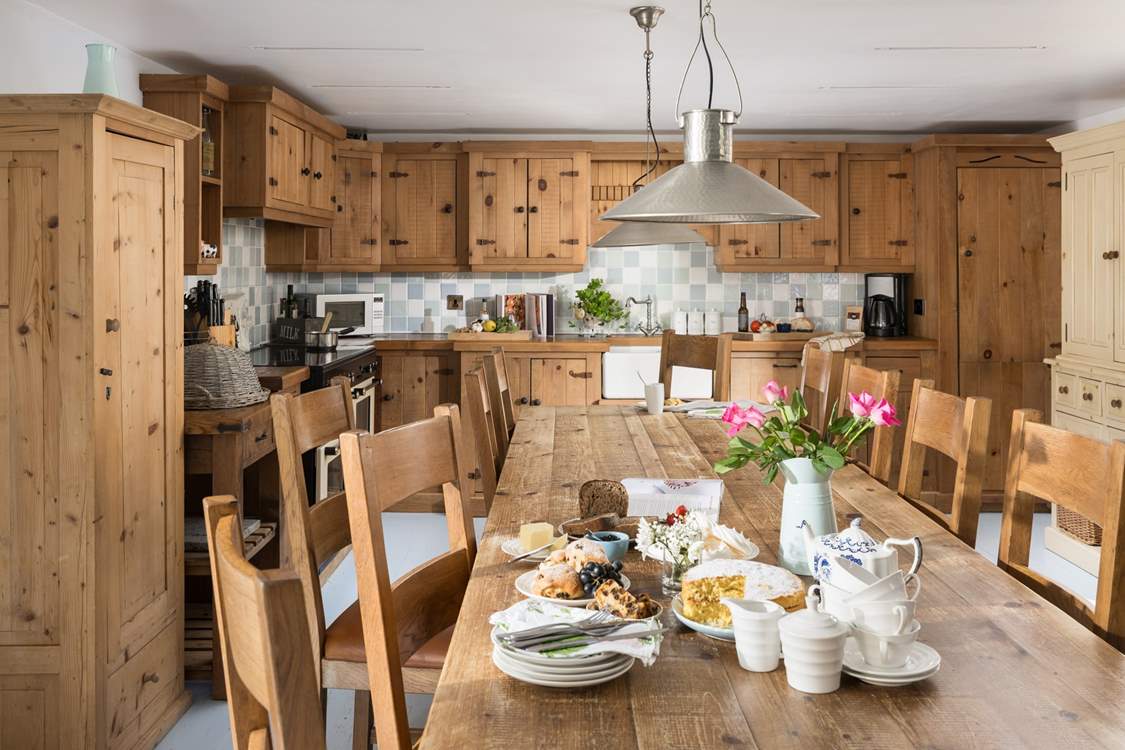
(500, 395)
(880, 384)
(1080, 474)
(401, 618)
(703, 352)
(955, 427)
(481, 414)
(273, 697)
(821, 378)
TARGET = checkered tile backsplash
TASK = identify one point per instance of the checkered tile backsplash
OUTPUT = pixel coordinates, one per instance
(678, 279)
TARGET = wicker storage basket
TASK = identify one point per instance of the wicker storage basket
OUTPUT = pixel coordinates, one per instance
(1078, 526)
(220, 377)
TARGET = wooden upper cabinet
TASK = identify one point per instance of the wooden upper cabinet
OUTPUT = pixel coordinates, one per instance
(278, 163)
(528, 208)
(877, 207)
(798, 245)
(423, 226)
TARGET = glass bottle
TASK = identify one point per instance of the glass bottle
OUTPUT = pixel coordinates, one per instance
(743, 315)
(207, 160)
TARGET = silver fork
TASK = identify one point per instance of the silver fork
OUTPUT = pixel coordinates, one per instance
(563, 634)
(596, 621)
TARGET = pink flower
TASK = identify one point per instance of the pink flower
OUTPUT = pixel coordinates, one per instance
(773, 392)
(738, 418)
(883, 414)
(861, 405)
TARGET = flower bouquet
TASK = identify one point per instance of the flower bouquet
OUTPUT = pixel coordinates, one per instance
(678, 539)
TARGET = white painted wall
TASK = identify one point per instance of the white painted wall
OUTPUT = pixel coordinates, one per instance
(44, 53)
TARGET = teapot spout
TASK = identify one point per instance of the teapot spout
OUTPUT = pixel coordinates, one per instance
(810, 545)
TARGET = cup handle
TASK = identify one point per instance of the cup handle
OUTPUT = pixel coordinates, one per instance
(883, 648)
(914, 542)
(918, 586)
(902, 623)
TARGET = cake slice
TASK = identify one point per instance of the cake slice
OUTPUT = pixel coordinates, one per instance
(707, 583)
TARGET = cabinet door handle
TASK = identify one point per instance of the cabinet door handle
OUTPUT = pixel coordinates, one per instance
(855, 212)
(1115, 403)
(535, 402)
(584, 375)
(520, 209)
(388, 397)
(988, 354)
(261, 437)
(112, 325)
(447, 208)
(1111, 255)
(738, 242)
(152, 677)
(533, 210)
(522, 401)
(1064, 390)
(787, 366)
(1087, 396)
(474, 474)
(317, 175)
(305, 171)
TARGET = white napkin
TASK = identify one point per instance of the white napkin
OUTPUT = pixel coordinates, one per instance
(530, 613)
(659, 497)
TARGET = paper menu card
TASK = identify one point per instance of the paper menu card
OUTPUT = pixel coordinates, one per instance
(659, 497)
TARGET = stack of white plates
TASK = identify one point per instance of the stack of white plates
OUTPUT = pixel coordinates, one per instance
(558, 671)
(922, 663)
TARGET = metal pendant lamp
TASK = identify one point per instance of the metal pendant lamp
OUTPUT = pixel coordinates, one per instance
(640, 233)
(709, 188)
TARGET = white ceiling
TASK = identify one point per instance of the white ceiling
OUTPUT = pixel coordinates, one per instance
(576, 66)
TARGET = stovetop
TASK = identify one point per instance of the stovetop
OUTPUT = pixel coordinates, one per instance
(350, 361)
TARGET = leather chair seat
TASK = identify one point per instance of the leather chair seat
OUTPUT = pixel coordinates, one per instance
(343, 641)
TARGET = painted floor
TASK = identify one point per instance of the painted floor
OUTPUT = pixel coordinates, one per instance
(413, 538)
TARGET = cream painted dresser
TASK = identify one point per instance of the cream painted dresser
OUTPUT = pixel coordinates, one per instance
(1088, 378)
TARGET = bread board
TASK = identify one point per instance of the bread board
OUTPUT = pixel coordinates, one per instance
(775, 336)
(472, 336)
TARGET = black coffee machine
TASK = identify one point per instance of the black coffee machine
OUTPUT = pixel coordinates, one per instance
(884, 304)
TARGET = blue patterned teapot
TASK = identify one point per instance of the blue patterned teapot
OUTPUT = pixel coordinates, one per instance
(857, 546)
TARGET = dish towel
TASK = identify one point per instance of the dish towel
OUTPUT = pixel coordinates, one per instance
(530, 613)
(833, 342)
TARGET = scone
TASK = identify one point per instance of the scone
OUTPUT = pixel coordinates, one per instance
(557, 582)
(583, 551)
(707, 583)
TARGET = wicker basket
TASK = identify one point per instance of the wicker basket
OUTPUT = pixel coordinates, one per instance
(220, 377)
(1078, 526)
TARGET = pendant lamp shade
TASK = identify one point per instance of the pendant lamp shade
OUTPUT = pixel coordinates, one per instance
(640, 233)
(708, 188)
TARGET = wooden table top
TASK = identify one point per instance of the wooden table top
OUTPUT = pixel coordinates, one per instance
(1016, 671)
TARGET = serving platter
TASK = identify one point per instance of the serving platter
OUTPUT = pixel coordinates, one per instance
(523, 585)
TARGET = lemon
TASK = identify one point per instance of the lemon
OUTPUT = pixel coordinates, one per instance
(489, 326)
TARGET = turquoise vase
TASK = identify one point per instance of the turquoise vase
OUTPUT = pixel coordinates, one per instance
(100, 77)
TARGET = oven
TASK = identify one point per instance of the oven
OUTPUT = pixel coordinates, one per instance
(362, 312)
(366, 392)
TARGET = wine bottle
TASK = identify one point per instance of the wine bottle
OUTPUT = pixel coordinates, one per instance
(743, 315)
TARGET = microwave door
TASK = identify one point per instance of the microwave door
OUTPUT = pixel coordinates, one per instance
(347, 314)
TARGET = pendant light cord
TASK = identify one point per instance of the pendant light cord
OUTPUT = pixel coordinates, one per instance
(707, 53)
(648, 117)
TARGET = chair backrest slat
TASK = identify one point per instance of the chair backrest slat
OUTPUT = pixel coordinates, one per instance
(1080, 474)
(273, 692)
(954, 427)
(481, 413)
(500, 395)
(821, 380)
(400, 617)
(702, 352)
(880, 384)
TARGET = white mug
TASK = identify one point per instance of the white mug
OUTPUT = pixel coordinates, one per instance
(756, 636)
(884, 617)
(654, 398)
(887, 651)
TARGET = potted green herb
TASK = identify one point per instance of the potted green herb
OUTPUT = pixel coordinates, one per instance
(595, 307)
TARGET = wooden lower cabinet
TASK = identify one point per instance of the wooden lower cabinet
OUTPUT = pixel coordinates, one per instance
(569, 381)
(413, 384)
(91, 423)
(749, 373)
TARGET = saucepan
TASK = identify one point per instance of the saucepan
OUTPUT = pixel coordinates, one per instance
(325, 341)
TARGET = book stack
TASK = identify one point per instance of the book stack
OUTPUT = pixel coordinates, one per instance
(531, 312)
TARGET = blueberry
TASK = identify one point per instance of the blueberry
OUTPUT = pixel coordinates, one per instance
(617, 565)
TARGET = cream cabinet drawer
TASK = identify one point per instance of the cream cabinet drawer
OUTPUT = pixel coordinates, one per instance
(1066, 389)
(1090, 396)
(1113, 404)
(1078, 425)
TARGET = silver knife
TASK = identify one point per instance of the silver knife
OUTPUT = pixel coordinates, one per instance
(582, 642)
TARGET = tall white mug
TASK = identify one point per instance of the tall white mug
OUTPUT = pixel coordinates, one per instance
(654, 398)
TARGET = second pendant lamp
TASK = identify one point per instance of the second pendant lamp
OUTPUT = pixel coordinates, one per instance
(709, 188)
(640, 233)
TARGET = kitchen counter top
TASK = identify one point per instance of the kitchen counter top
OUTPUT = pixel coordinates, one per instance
(391, 342)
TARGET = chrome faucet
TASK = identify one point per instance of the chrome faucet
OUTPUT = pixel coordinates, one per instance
(651, 326)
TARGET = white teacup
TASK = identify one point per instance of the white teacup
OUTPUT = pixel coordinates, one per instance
(848, 576)
(756, 636)
(887, 651)
(834, 600)
(884, 617)
(654, 398)
(888, 588)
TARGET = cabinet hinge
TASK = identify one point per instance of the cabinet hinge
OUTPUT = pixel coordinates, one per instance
(898, 243)
(333, 157)
(1055, 183)
(569, 173)
(486, 242)
(273, 130)
(396, 175)
(568, 242)
(273, 182)
(821, 175)
(897, 175)
(482, 173)
(821, 243)
(374, 173)
(398, 242)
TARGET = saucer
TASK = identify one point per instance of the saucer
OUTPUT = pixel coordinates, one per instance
(922, 662)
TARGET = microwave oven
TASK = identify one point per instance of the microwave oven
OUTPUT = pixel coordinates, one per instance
(362, 311)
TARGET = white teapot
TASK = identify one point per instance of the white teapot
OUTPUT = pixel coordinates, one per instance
(856, 545)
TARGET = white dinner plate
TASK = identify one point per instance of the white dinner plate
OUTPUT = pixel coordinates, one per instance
(711, 631)
(512, 548)
(563, 674)
(534, 679)
(922, 662)
(534, 658)
(523, 585)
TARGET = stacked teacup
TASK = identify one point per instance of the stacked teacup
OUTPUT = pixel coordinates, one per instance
(883, 623)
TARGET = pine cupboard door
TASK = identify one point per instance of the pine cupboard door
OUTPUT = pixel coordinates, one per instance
(138, 454)
(875, 217)
(498, 215)
(321, 177)
(1119, 262)
(288, 187)
(1089, 279)
(559, 382)
(355, 233)
(815, 183)
(421, 218)
(741, 243)
(557, 206)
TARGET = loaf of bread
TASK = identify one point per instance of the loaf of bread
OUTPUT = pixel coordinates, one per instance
(600, 496)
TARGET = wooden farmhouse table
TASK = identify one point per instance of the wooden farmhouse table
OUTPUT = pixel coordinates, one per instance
(1016, 671)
